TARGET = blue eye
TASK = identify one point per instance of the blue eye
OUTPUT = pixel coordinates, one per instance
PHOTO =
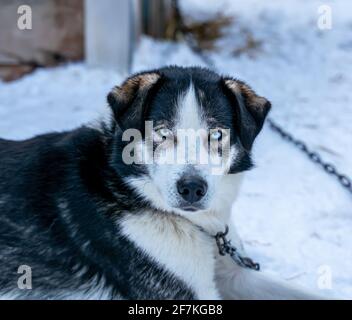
(215, 135)
(164, 132)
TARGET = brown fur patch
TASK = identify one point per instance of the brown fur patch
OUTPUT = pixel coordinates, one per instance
(139, 82)
(243, 91)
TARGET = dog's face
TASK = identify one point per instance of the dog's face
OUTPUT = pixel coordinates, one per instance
(181, 133)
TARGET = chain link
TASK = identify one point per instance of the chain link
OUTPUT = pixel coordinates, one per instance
(343, 179)
(225, 247)
(313, 156)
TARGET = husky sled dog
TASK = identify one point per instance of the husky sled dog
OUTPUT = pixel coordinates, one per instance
(92, 224)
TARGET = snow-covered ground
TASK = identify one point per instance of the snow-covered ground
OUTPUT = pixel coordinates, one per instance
(295, 219)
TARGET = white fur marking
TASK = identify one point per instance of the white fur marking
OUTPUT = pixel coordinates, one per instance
(189, 116)
(177, 245)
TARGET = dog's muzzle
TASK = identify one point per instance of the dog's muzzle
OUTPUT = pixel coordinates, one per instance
(192, 189)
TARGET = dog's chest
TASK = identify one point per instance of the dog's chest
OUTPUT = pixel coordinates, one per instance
(177, 246)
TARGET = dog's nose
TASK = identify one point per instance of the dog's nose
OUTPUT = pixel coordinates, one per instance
(192, 189)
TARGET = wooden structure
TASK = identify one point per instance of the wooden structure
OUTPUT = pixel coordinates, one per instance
(105, 33)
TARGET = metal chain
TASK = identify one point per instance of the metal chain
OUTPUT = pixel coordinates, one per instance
(315, 157)
(225, 247)
(329, 168)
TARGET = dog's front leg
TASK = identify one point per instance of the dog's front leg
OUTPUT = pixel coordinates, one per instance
(235, 282)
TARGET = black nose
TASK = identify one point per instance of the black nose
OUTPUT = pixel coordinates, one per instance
(192, 189)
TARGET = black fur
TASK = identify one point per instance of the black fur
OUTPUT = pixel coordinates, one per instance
(62, 195)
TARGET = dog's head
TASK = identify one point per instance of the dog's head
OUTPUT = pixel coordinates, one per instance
(181, 132)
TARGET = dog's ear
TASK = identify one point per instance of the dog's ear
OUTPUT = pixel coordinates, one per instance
(128, 101)
(250, 110)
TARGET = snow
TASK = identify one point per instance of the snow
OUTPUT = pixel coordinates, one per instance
(53, 100)
(294, 218)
